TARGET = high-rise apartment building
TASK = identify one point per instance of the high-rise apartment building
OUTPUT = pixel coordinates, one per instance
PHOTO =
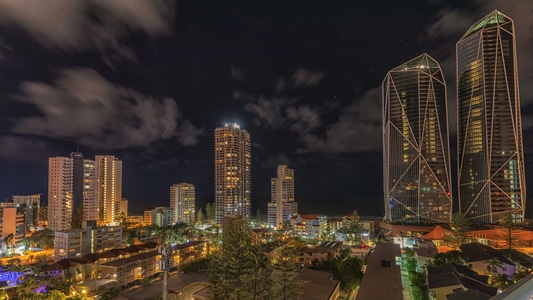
(90, 199)
(71, 190)
(233, 170)
(489, 128)
(182, 201)
(416, 155)
(31, 205)
(282, 205)
(109, 188)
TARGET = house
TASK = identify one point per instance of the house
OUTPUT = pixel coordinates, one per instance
(454, 282)
(323, 252)
(425, 252)
(481, 259)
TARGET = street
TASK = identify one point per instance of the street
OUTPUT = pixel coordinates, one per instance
(175, 282)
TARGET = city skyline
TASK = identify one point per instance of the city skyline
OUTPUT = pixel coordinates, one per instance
(150, 81)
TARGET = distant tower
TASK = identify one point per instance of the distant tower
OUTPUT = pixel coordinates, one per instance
(109, 188)
(489, 127)
(416, 155)
(182, 201)
(232, 172)
(282, 205)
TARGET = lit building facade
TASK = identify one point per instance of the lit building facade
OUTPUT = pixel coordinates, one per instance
(75, 243)
(233, 167)
(282, 205)
(182, 201)
(162, 216)
(71, 190)
(90, 200)
(32, 206)
(416, 155)
(12, 223)
(60, 193)
(489, 129)
(109, 188)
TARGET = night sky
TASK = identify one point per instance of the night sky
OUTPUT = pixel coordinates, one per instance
(149, 81)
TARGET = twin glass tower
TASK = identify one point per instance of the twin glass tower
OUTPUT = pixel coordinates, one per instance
(417, 173)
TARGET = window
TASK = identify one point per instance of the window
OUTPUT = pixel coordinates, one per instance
(385, 263)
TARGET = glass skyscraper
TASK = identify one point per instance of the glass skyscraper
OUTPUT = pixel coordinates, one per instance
(416, 155)
(233, 172)
(489, 130)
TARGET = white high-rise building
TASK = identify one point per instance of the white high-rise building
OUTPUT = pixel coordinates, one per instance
(60, 193)
(282, 205)
(182, 201)
(233, 169)
(71, 185)
(109, 188)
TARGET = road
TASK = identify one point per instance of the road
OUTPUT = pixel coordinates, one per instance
(175, 282)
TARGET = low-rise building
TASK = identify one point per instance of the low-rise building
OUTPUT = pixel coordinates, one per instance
(76, 243)
(481, 259)
(323, 252)
(308, 227)
(454, 282)
(162, 216)
(12, 224)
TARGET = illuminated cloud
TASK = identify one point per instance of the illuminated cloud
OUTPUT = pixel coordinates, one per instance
(84, 107)
(100, 24)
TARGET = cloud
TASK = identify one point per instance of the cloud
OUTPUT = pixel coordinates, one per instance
(358, 129)
(237, 74)
(268, 112)
(82, 106)
(75, 25)
(304, 77)
(453, 23)
(23, 148)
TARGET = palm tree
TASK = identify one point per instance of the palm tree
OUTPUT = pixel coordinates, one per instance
(8, 241)
(492, 265)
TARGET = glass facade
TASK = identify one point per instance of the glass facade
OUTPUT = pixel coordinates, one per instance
(417, 182)
(489, 130)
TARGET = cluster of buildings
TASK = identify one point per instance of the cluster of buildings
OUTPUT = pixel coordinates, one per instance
(416, 151)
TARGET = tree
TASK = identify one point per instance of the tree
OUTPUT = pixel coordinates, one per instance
(509, 225)
(492, 265)
(286, 283)
(240, 270)
(501, 281)
(210, 211)
(9, 241)
(200, 216)
(460, 225)
(130, 237)
(455, 257)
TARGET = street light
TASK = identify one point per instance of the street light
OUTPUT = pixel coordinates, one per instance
(165, 264)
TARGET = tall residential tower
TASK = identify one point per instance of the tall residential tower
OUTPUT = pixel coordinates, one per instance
(489, 128)
(282, 205)
(182, 201)
(109, 188)
(233, 168)
(416, 155)
(71, 191)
